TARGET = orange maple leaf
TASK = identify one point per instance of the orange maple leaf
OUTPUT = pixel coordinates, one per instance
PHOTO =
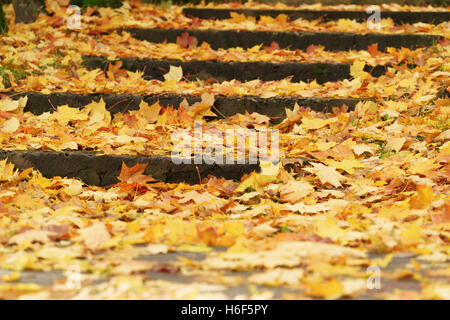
(134, 175)
(115, 71)
(373, 50)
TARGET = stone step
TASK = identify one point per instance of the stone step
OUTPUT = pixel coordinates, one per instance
(399, 17)
(332, 41)
(39, 103)
(243, 71)
(102, 170)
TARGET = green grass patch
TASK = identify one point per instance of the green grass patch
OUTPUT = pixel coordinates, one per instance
(3, 25)
(7, 68)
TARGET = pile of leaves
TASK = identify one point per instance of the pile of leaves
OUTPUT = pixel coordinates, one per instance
(354, 188)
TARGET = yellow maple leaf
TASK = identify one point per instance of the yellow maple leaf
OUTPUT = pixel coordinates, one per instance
(423, 198)
(328, 228)
(6, 170)
(237, 17)
(326, 174)
(293, 191)
(361, 148)
(99, 107)
(256, 181)
(423, 165)
(234, 228)
(95, 236)
(65, 114)
(203, 108)
(395, 143)
(347, 165)
(10, 125)
(316, 123)
(331, 289)
(411, 235)
(174, 74)
(149, 113)
(31, 236)
(7, 104)
(181, 232)
(396, 212)
(357, 70)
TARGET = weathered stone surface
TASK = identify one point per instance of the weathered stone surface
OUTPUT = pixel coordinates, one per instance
(243, 71)
(274, 107)
(102, 170)
(27, 10)
(332, 41)
(325, 15)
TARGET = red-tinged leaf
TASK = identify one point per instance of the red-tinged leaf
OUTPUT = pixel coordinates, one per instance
(58, 232)
(196, 22)
(187, 41)
(166, 269)
(5, 115)
(443, 217)
(273, 46)
(311, 49)
(444, 42)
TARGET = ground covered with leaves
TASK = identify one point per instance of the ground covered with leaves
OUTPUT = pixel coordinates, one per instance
(354, 190)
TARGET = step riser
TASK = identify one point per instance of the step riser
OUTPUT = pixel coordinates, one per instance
(103, 170)
(325, 15)
(39, 103)
(292, 40)
(243, 71)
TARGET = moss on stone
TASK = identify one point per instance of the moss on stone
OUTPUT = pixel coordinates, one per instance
(97, 3)
(3, 26)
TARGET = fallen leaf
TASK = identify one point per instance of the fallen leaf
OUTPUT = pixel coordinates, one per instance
(134, 175)
(10, 125)
(95, 236)
(174, 74)
(326, 174)
(357, 70)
